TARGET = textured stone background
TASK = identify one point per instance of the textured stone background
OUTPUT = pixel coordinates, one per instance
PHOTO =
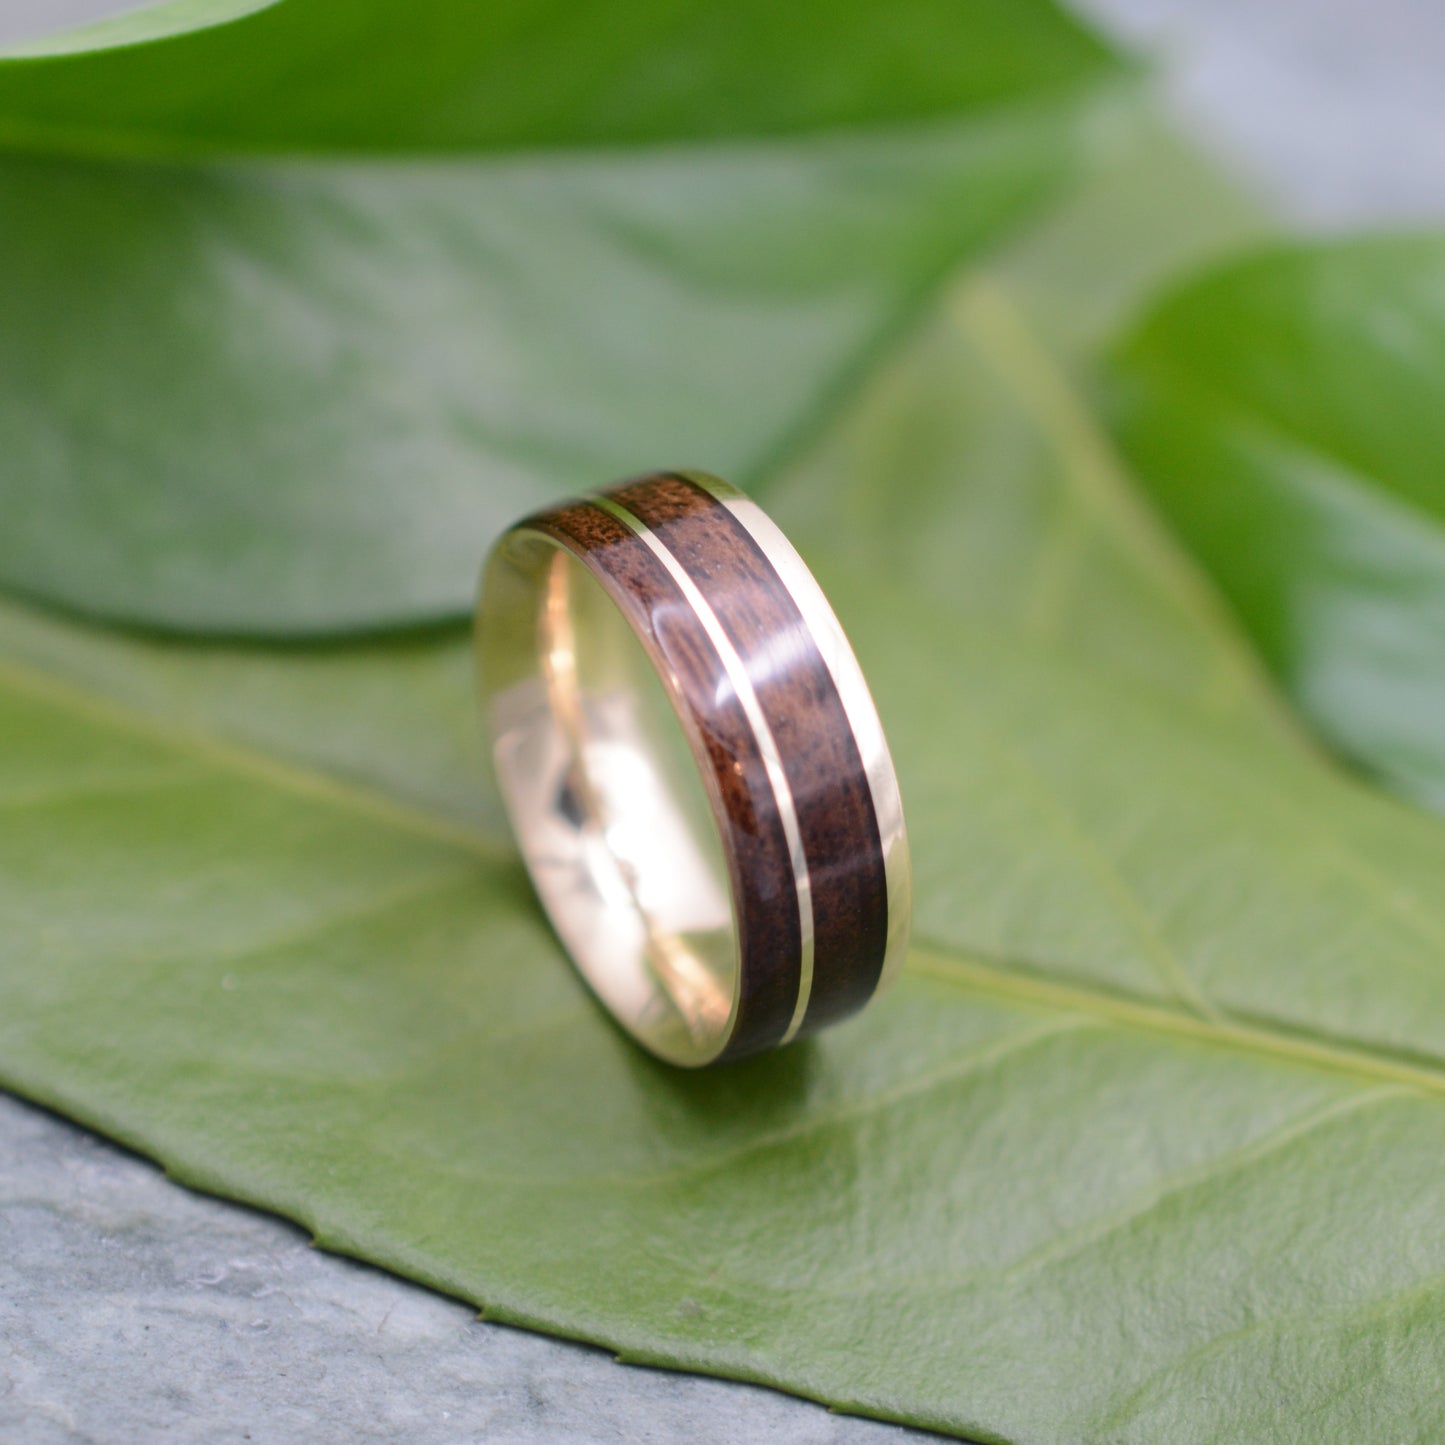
(134, 1310)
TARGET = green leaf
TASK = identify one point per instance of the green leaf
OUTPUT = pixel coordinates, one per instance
(306, 397)
(396, 714)
(1284, 412)
(445, 75)
(1142, 1147)
(498, 254)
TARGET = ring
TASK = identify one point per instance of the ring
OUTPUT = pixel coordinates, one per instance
(693, 767)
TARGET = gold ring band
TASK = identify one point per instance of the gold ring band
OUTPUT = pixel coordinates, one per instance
(693, 767)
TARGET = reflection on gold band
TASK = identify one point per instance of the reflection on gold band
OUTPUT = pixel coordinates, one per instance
(693, 767)
(692, 987)
(737, 675)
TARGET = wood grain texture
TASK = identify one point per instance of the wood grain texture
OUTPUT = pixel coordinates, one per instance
(759, 867)
(800, 701)
(820, 757)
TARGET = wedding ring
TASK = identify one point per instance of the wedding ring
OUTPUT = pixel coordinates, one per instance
(693, 767)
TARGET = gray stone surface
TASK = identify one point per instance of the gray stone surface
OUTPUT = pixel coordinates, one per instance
(134, 1310)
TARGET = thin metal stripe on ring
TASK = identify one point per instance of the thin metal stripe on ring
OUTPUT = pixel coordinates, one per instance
(854, 695)
(823, 757)
(769, 901)
(737, 675)
(760, 873)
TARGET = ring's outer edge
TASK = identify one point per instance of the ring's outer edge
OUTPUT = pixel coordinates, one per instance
(679, 555)
(754, 596)
(636, 581)
(857, 700)
(736, 670)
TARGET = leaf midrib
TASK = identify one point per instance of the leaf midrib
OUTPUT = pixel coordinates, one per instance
(1097, 477)
(237, 758)
(927, 959)
(1004, 979)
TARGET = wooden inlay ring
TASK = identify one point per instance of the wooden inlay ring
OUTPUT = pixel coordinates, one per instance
(693, 767)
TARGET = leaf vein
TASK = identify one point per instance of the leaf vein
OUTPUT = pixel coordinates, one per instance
(1076, 1243)
(317, 926)
(1318, 1051)
(1066, 827)
(131, 786)
(979, 1061)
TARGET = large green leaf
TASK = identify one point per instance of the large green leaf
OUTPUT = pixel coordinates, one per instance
(304, 394)
(447, 75)
(1285, 413)
(1143, 1147)
(307, 397)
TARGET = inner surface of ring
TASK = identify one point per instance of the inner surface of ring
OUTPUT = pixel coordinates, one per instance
(615, 821)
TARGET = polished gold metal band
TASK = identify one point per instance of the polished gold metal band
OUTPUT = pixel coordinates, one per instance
(693, 767)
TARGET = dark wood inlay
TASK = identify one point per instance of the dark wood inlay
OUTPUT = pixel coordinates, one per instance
(820, 755)
(756, 846)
